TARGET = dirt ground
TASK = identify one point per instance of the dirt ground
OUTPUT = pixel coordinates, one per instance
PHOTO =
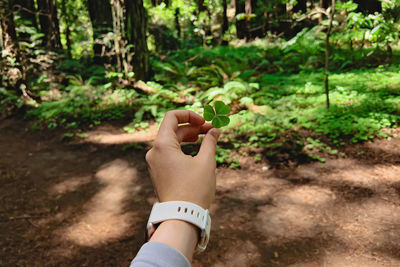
(85, 203)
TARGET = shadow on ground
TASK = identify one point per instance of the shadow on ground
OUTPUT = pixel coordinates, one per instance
(86, 204)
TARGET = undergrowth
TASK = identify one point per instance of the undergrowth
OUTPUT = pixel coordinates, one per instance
(275, 93)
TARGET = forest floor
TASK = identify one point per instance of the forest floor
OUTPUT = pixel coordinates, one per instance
(85, 203)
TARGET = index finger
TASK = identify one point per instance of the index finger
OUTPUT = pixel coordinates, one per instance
(173, 118)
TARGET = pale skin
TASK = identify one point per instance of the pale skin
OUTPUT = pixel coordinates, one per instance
(180, 177)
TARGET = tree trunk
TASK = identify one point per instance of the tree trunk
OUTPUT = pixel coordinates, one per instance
(119, 33)
(241, 27)
(102, 23)
(201, 6)
(324, 3)
(49, 23)
(67, 29)
(177, 24)
(281, 15)
(327, 48)
(136, 23)
(225, 25)
(9, 44)
(27, 11)
(9, 35)
(301, 6)
(368, 6)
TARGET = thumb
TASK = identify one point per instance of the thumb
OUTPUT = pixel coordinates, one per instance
(209, 144)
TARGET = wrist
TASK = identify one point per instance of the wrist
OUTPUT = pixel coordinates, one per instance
(177, 211)
(181, 235)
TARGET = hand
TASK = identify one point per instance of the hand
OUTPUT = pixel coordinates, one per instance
(180, 177)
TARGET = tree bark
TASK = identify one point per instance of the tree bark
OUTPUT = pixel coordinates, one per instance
(136, 23)
(327, 48)
(49, 23)
(102, 23)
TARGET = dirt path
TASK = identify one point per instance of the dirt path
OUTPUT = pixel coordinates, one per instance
(86, 204)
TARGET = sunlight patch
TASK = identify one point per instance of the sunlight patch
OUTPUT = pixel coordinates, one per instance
(288, 221)
(110, 138)
(104, 218)
(70, 185)
(306, 195)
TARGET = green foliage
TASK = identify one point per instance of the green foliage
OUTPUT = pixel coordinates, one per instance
(273, 85)
(217, 114)
(227, 157)
(8, 100)
(87, 103)
(78, 20)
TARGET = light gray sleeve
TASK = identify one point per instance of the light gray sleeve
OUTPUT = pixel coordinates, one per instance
(160, 255)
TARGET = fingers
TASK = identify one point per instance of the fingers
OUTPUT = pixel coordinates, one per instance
(175, 117)
(190, 133)
(208, 147)
(172, 119)
(168, 132)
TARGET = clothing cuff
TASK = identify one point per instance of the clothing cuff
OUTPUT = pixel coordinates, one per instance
(159, 254)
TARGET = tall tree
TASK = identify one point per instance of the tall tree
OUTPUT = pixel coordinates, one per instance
(49, 23)
(120, 44)
(136, 24)
(102, 23)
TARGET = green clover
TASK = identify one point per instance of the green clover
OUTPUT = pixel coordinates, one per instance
(218, 114)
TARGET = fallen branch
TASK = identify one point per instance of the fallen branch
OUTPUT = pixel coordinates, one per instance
(144, 87)
(316, 12)
(150, 90)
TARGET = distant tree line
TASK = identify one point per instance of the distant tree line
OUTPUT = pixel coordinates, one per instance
(120, 27)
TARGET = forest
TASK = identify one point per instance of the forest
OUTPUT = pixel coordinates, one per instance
(308, 161)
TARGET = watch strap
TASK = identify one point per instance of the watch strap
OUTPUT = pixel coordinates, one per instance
(185, 211)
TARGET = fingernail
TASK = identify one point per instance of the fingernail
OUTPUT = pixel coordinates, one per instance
(215, 133)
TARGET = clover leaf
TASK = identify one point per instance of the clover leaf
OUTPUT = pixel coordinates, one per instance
(218, 114)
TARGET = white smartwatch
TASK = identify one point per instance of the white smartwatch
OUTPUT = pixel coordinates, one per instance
(185, 211)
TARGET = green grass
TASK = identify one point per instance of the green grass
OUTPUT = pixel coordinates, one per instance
(362, 103)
